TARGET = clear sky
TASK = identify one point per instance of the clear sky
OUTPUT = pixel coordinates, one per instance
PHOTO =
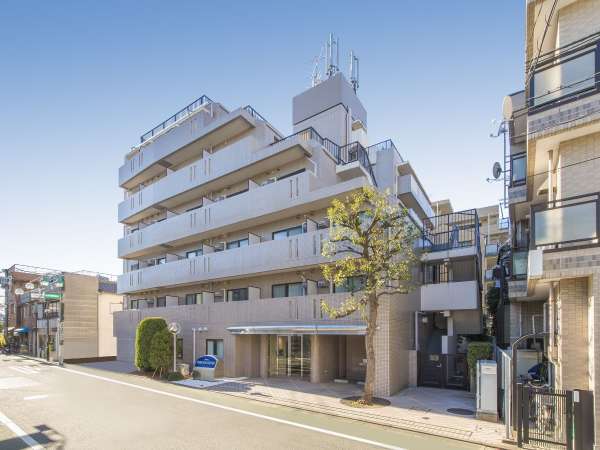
(80, 81)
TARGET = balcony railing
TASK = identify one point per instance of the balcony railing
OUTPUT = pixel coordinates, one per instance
(566, 223)
(384, 145)
(568, 75)
(449, 231)
(356, 152)
(179, 115)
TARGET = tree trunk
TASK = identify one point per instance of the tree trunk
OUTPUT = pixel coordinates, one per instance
(370, 349)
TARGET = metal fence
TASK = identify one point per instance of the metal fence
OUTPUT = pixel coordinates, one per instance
(454, 230)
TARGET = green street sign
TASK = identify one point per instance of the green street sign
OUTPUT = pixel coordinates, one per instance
(52, 296)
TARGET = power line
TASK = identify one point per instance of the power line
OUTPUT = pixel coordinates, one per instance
(533, 66)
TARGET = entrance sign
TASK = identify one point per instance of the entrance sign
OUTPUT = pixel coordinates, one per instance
(207, 361)
(205, 366)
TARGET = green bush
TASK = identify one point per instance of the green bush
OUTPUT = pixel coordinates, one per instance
(174, 376)
(477, 351)
(143, 337)
(161, 351)
(2, 340)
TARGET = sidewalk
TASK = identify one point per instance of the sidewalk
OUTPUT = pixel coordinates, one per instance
(423, 410)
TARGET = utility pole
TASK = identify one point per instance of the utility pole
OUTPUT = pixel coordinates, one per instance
(5, 285)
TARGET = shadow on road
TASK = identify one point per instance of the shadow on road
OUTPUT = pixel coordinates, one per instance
(45, 436)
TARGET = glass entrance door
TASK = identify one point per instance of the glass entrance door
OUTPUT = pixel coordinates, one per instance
(291, 354)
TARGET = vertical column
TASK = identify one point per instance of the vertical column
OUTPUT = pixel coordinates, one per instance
(264, 356)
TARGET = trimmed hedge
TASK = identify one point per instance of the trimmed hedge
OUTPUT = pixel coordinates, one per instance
(161, 351)
(478, 350)
(143, 338)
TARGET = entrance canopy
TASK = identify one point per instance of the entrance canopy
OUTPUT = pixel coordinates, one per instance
(342, 329)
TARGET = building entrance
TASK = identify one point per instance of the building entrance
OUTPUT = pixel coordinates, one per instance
(289, 355)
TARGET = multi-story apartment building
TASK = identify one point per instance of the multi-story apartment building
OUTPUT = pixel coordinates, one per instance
(224, 221)
(554, 123)
(39, 300)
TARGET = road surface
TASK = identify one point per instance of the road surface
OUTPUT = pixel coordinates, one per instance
(45, 406)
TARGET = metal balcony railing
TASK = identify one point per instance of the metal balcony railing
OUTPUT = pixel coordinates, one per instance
(384, 145)
(356, 152)
(179, 115)
(566, 223)
(566, 74)
(448, 231)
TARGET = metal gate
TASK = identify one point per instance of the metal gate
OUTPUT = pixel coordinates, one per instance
(552, 418)
(443, 371)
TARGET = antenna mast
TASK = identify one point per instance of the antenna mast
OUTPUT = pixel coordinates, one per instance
(333, 56)
(354, 71)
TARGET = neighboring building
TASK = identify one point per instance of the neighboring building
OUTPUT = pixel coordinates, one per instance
(224, 221)
(88, 300)
(554, 264)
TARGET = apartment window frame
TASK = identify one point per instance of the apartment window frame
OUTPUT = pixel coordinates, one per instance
(238, 243)
(161, 302)
(212, 347)
(287, 232)
(522, 156)
(134, 304)
(194, 253)
(237, 292)
(286, 287)
(192, 299)
(351, 284)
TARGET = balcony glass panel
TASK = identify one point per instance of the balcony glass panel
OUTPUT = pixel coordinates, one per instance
(566, 224)
(519, 263)
(567, 78)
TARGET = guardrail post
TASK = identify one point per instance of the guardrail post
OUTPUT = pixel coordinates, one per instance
(519, 414)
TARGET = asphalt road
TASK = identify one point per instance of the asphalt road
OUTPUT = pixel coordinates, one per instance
(84, 408)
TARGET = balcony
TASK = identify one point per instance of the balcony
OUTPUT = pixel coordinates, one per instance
(450, 296)
(256, 311)
(564, 77)
(450, 235)
(564, 224)
(293, 195)
(353, 160)
(184, 136)
(411, 193)
(295, 252)
(239, 162)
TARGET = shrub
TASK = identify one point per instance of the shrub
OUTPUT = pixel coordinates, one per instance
(143, 337)
(477, 351)
(2, 340)
(161, 351)
(174, 376)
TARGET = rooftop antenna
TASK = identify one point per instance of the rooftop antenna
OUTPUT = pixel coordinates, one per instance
(316, 74)
(333, 55)
(354, 71)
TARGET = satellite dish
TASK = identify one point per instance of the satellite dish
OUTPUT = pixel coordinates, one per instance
(496, 170)
(174, 328)
(19, 291)
(507, 108)
(29, 286)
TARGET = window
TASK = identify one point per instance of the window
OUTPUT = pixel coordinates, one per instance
(179, 346)
(161, 302)
(287, 290)
(193, 253)
(150, 303)
(351, 284)
(238, 243)
(518, 169)
(162, 260)
(282, 234)
(214, 347)
(219, 297)
(237, 295)
(193, 299)
(297, 172)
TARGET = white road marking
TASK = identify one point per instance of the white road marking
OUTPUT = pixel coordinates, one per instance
(236, 410)
(35, 397)
(31, 442)
(16, 382)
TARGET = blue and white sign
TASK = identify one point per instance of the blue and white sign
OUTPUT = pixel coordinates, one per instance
(207, 362)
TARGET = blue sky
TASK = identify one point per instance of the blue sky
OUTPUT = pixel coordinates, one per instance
(80, 81)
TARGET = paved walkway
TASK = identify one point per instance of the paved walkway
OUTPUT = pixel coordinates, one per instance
(419, 409)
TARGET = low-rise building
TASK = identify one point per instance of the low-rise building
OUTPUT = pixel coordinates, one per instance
(82, 304)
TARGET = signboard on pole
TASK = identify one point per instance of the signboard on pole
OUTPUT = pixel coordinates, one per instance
(52, 296)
